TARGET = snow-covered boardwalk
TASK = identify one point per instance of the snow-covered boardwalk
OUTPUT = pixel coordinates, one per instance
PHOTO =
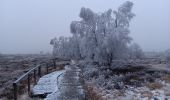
(47, 84)
(70, 85)
(62, 85)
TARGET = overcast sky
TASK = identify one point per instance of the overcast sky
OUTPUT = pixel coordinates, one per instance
(26, 26)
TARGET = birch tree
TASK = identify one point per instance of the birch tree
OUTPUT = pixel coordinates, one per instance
(98, 37)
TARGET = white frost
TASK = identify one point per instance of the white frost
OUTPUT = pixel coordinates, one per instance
(47, 83)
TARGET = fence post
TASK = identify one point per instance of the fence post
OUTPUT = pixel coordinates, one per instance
(39, 71)
(28, 84)
(54, 63)
(15, 91)
(47, 68)
(35, 77)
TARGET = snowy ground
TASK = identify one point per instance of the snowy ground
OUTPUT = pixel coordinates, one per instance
(134, 81)
(132, 93)
(144, 93)
(47, 84)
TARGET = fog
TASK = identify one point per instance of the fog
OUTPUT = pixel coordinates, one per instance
(28, 26)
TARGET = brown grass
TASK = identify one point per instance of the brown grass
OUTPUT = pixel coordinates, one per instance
(154, 85)
(166, 78)
(91, 93)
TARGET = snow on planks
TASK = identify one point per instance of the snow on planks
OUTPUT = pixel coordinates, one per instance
(47, 84)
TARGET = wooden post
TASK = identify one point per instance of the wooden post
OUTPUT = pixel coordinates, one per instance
(54, 63)
(47, 68)
(35, 80)
(15, 91)
(28, 84)
(39, 71)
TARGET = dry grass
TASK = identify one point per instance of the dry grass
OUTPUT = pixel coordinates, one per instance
(167, 94)
(166, 78)
(154, 85)
(92, 94)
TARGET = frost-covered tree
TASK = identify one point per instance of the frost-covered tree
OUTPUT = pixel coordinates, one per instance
(97, 37)
(135, 52)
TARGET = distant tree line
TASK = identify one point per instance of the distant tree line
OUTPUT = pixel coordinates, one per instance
(167, 54)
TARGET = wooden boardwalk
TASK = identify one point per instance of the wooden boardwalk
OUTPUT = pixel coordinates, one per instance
(70, 86)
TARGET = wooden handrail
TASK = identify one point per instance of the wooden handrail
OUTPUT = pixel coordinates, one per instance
(28, 75)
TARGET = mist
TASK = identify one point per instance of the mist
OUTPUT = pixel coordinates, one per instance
(28, 26)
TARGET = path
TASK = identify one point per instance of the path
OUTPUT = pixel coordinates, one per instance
(62, 85)
(70, 86)
(47, 84)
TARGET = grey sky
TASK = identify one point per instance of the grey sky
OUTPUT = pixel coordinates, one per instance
(26, 26)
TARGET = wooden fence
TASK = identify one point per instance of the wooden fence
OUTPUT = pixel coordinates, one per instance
(32, 75)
